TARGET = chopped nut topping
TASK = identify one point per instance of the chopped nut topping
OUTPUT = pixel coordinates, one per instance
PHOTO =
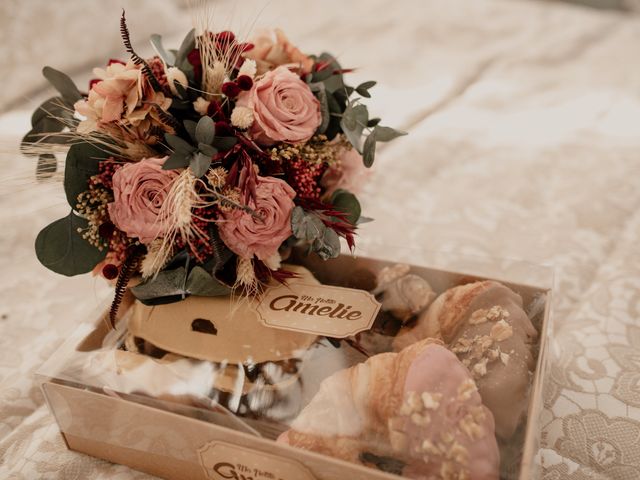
(431, 401)
(496, 313)
(462, 345)
(469, 426)
(478, 414)
(477, 317)
(447, 437)
(430, 448)
(458, 453)
(448, 471)
(493, 354)
(480, 368)
(485, 341)
(501, 331)
(421, 420)
(412, 404)
(466, 389)
(504, 358)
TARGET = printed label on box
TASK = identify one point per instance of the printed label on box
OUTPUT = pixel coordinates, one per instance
(319, 309)
(224, 461)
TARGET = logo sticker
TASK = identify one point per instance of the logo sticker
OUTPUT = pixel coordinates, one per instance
(318, 309)
(224, 461)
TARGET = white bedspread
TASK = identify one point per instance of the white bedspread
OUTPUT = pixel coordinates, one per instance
(524, 122)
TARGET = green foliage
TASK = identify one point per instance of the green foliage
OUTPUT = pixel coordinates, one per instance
(354, 121)
(205, 130)
(363, 88)
(61, 248)
(199, 157)
(63, 84)
(172, 285)
(181, 61)
(83, 160)
(328, 245)
(348, 203)
(167, 57)
(309, 228)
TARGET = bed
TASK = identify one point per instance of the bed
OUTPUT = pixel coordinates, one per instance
(524, 121)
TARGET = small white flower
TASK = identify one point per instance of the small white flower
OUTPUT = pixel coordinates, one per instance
(175, 74)
(242, 117)
(274, 261)
(248, 68)
(201, 106)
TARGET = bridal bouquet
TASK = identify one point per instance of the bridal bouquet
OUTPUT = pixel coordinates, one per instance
(199, 168)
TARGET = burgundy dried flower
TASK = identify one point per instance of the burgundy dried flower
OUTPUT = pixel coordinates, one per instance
(194, 59)
(215, 111)
(106, 230)
(231, 89)
(245, 82)
(223, 129)
(110, 271)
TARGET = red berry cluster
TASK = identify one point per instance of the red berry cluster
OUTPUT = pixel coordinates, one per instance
(233, 89)
(304, 177)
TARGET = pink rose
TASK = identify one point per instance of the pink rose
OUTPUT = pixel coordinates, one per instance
(139, 190)
(247, 235)
(349, 173)
(284, 109)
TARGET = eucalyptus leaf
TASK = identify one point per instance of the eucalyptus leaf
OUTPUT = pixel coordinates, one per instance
(188, 44)
(178, 144)
(224, 143)
(366, 85)
(354, 119)
(306, 226)
(321, 94)
(167, 57)
(207, 149)
(46, 167)
(386, 134)
(205, 130)
(369, 150)
(177, 160)
(201, 283)
(63, 84)
(83, 161)
(165, 284)
(60, 247)
(200, 164)
(327, 246)
(348, 203)
(175, 284)
(51, 117)
(363, 88)
(373, 122)
(190, 127)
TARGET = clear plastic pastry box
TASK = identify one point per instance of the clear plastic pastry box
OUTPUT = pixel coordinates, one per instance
(421, 365)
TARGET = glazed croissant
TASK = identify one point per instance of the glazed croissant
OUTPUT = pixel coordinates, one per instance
(416, 413)
(485, 325)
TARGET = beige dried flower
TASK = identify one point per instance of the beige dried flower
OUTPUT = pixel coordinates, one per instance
(242, 117)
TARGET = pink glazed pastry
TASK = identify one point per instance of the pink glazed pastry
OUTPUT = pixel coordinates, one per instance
(484, 324)
(416, 413)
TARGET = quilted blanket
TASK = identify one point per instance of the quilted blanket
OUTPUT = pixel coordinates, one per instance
(524, 121)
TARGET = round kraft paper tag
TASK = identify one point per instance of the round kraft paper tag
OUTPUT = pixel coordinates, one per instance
(318, 309)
